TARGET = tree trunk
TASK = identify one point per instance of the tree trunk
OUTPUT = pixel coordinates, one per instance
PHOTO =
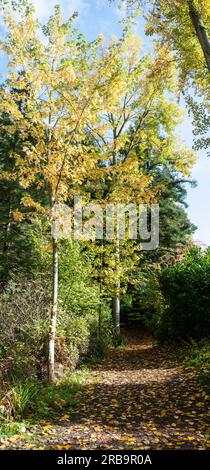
(116, 299)
(100, 308)
(116, 311)
(201, 31)
(51, 357)
(100, 317)
(5, 250)
(101, 289)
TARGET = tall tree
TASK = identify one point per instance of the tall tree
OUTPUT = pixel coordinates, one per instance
(60, 81)
(15, 242)
(139, 120)
(185, 25)
(175, 226)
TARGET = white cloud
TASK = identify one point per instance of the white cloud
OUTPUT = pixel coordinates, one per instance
(44, 8)
(121, 10)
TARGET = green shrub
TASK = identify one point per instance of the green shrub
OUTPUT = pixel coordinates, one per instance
(186, 288)
(54, 399)
(33, 401)
(101, 340)
(78, 293)
(148, 299)
(191, 352)
(126, 309)
(73, 337)
(174, 300)
(18, 400)
(199, 356)
(24, 310)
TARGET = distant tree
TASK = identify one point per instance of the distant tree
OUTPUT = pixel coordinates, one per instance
(15, 243)
(175, 226)
(139, 119)
(185, 26)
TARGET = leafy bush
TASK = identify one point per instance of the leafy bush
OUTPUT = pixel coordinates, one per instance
(54, 399)
(78, 293)
(186, 288)
(18, 399)
(149, 302)
(199, 356)
(26, 402)
(191, 352)
(73, 337)
(99, 342)
(24, 310)
(174, 299)
(25, 307)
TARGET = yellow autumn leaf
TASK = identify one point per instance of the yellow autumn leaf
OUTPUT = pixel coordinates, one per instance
(65, 417)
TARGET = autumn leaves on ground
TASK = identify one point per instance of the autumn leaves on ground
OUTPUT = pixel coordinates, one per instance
(89, 125)
(136, 398)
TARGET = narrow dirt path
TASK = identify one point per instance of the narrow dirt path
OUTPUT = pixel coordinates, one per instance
(135, 399)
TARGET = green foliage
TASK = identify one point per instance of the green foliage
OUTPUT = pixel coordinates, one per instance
(53, 399)
(174, 225)
(72, 340)
(192, 353)
(200, 358)
(18, 400)
(24, 310)
(30, 401)
(100, 341)
(200, 112)
(78, 295)
(9, 427)
(120, 341)
(148, 299)
(174, 298)
(127, 308)
(186, 288)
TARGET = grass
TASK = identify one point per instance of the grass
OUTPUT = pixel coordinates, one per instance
(55, 398)
(192, 353)
(199, 357)
(27, 403)
(10, 428)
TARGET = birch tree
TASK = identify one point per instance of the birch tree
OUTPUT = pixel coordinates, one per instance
(54, 90)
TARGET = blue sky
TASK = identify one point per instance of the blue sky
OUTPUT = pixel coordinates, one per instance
(97, 16)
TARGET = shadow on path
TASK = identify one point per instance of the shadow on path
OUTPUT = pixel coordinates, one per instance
(135, 399)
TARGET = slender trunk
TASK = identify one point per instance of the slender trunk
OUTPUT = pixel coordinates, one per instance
(100, 313)
(5, 250)
(101, 290)
(116, 311)
(201, 31)
(51, 357)
(116, 299)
